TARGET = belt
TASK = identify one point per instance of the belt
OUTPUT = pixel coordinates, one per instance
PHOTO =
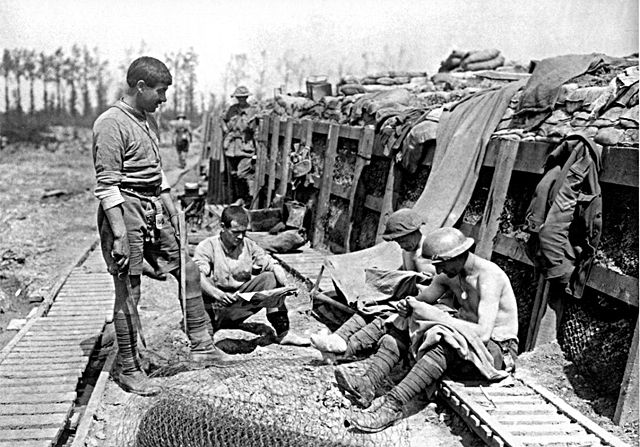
(146, 191)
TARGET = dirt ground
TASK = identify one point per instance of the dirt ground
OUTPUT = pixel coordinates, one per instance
(41, 236)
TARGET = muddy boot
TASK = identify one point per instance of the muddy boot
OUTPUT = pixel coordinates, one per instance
(203, 349)
(387, 413)
(363, 388)
(138, 383)
(358, 387)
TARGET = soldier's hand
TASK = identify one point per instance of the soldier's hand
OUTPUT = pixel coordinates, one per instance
(120, 252)
(403, 308)
(175, 223)
(228, 299)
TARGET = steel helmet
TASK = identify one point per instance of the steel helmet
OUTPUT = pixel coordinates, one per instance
(241, 91)
(444, 244)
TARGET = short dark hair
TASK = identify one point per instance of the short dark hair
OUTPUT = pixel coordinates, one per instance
(234, 212)
(150, 70)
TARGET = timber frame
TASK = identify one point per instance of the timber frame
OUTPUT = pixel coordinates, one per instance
(505, 156)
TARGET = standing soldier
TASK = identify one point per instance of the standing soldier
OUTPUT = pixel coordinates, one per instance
(182, 138)
(238, 125)
(135, 203)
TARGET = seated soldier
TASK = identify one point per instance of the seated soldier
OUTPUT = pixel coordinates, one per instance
(487, 312)
(227, 265)
(358, 333)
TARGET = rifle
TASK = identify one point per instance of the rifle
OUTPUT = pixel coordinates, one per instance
(182, 230)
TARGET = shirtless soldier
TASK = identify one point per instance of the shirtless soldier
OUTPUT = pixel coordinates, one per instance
(487, 308)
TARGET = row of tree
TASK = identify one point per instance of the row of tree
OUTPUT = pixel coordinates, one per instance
(80, 83)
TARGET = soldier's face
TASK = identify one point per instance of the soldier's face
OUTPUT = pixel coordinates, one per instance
(233, 235)
(149, 98)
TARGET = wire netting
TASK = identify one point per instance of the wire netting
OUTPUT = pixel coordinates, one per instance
(256, 402)
(596, 336)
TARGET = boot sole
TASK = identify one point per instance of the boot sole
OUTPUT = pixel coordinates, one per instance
(128, 389)
(373, 430)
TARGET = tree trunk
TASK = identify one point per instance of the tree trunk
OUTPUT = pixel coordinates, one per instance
(32, 98)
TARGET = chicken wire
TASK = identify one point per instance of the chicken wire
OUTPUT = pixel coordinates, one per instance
(257, 402)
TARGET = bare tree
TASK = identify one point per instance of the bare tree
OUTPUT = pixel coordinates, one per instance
(87, 76)
(175, 61)
(261, 75)
(101, 80)
(18, 70)
(45, 75)
(7, 69)
(30, 72)
(57, 63)
(236, 72)
(285, 66)
(189, 65)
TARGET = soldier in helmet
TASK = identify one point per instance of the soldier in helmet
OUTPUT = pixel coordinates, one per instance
(487, 312)
(182, 138)
(238, 126)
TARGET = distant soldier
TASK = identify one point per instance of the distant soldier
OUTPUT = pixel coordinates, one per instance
(182, 137)
(239, 126)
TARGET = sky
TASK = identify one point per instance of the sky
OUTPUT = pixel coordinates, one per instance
(331, 32)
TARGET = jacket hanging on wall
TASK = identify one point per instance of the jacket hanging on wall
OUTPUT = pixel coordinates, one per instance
(565, 214)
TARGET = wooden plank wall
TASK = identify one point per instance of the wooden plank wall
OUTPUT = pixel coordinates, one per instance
(620, 167)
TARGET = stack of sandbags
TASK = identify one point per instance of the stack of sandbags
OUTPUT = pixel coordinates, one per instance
(606, 113)
(385, 80)
(478, 60)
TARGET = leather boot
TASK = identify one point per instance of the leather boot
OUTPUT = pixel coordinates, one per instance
(385, 415)
(363, 388)
(360, 388)
(203, 349)
(138, 383)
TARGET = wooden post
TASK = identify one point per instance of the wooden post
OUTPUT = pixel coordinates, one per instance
(273, 155)
(387, 201)
(537, 312)
(261, 162)
(365, 147)
(306, 138)
(627, 406)
(284, 163)
(325, 185)
(507, 151)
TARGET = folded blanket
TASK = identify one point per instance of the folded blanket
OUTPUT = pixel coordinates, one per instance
(429, 326)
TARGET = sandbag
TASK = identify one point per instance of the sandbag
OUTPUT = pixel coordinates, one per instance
(284, 242)
(480, 56)
(609, 136)
(483, 65)
(385, 81)
(351, 89)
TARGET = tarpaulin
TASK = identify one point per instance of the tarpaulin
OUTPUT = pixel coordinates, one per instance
(463, 135)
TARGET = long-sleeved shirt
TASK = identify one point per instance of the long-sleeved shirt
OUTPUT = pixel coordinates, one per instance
(125, 153)
(228, 270)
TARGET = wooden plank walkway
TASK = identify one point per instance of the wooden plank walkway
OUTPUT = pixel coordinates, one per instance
(39, 373)
(517, 415)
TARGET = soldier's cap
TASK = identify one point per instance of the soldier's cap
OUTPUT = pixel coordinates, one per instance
(241, 91)
(401, 223)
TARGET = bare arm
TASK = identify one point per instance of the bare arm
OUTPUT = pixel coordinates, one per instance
(210, 289)
(489, 292)
(429, 295)
(434, 291)
(120, 248)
